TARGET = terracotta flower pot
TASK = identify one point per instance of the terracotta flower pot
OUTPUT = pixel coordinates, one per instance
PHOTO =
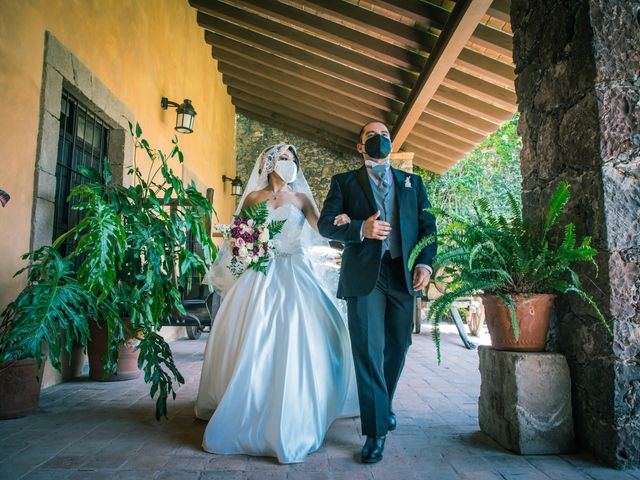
(20, 383)
(97, 349)
(532, 318)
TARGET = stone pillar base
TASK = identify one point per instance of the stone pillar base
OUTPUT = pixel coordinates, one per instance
(525, 401)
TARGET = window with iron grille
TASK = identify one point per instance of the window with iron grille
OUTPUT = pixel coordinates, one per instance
(82, 141)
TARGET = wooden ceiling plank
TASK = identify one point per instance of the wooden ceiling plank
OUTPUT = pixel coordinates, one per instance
(296, 129)
(427, 165)
(500, 9)
(492, 70)
(343, 118)
(476, 87)
(433, 156)
(460, 117)
(240, 54)
(475, 106)
(429, 15)
(434, 148)
(273, 79)
(446, 127)
(304, 57)
(494, 39)
(286, 122)
(298, 112)
(217, 11)
(333, 32)
(368, 21)
(426, 133)
(463, 20)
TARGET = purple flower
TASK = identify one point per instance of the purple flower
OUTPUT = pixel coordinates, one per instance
(236, 250)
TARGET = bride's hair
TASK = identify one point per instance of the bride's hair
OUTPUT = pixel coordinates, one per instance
(270, 155)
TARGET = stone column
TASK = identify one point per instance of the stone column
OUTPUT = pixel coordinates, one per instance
(402, 161)
(578, 87)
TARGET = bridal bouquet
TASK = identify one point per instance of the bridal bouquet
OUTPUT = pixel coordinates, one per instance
(251, 239)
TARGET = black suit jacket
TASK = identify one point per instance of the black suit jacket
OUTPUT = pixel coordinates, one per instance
(351, 193)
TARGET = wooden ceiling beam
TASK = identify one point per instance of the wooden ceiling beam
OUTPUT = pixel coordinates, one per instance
(303, 57)
(481, 89)
(367, 21)
(427, 133)
(273, 79)
(448, 128)
(485, 67)
(460, 117)
(298, 129)
(463, 20)
(433, 156)
(240, 54)
(222, 15)
(494, 40)
(500, 9)
(297, 112)
(427, 165)
(442, 156)
(472, 105)
(331, 31)
(287, 97)
(429, 15)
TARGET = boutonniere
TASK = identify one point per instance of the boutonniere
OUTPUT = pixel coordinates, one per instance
(407, 182)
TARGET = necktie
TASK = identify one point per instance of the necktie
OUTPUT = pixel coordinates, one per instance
(380, 171)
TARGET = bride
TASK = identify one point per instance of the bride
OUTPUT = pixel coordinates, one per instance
(277, 367)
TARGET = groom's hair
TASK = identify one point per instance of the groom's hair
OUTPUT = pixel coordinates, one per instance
(365, 126)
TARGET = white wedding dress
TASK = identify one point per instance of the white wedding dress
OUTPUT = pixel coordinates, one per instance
(277, 368)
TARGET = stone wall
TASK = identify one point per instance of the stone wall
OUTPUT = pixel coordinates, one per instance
(578, 87)
(318, 163)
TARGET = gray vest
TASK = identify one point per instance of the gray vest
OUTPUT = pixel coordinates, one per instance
(388, 206)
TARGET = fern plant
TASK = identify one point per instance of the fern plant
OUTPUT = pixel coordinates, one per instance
(494, 254)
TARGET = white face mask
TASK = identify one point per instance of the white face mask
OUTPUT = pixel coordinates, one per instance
(286, 170)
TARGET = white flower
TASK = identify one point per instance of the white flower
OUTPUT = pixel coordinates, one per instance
(249, 246)
(264, 236)
(250, 222)
(254, 259)
(243, 252)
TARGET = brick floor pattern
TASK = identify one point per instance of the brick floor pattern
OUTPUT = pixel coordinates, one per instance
(93, 430)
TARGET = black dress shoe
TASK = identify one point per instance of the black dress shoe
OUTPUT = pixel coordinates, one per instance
(393, 423)
(372, 450)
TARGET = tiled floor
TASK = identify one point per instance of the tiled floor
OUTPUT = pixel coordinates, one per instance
(94, 430)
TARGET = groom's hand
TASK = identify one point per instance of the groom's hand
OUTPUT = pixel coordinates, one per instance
(421, 277)
(376, 229)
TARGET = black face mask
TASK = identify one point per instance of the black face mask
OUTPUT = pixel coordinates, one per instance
(378, 146)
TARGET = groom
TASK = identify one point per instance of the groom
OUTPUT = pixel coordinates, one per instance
(386, 207)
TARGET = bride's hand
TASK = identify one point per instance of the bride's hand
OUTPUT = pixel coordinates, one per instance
(341, 219)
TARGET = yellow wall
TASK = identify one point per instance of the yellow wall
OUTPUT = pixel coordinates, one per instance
(141, 50)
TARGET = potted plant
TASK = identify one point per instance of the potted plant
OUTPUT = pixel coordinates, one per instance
(134, 261)
(51, 310)
(131, 265)
(515, 265)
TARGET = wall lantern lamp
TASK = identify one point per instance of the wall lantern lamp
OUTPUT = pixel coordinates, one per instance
(236, 185)
(186, 114)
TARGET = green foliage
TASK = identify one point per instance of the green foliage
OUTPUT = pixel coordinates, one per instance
(132, 267)
(52, 308)
(505, 255)
(489, 171)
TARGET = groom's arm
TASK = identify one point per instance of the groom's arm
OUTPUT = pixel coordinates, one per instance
(426, 225)
(333, 206)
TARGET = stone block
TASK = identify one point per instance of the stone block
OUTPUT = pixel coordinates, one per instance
(525, 401)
